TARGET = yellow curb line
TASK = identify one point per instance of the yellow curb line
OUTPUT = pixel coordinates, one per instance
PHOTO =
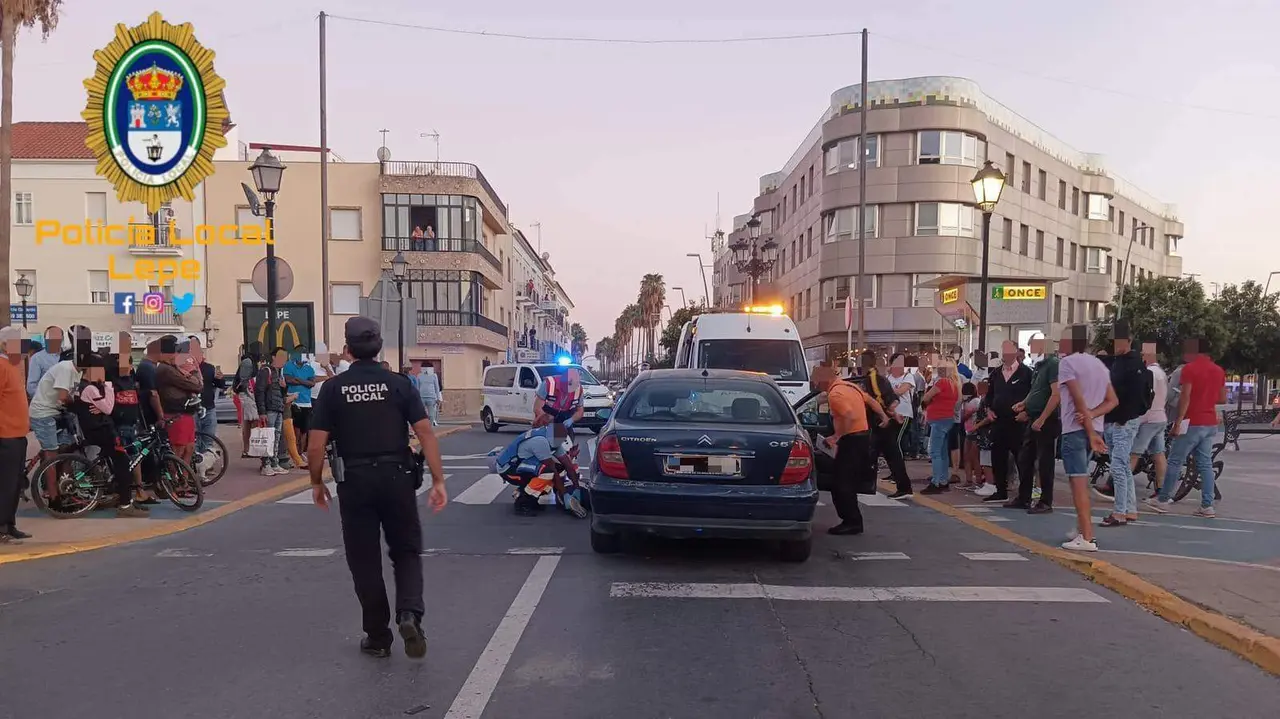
(1227, 633)
(174, 526)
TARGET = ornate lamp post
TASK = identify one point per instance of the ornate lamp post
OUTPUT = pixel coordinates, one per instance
(268, 171)
(988, 183)
(753, 258)
(399, 271)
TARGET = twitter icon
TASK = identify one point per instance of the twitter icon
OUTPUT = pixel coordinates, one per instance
(182, 303)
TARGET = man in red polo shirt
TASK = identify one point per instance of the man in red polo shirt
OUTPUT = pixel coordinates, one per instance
(1204, 387)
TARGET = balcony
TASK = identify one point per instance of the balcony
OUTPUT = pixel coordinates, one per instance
(458, 327)
(162, 245)
(166, 318)
(410, 244)
(452, 170)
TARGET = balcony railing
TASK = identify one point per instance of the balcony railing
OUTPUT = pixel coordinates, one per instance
(443, 169)
(455, 318)
(162, 240)
(412, 244)
(164, 318)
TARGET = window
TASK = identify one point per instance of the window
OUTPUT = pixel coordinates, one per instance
(344, 224)
(1062, 195)
(922, 296)
(1098, 206)
(1026, 177)
(500, 377)
(835, 291)
(1008, 234)
(802, 195)
(1075, 201)
(1057, 308)
(940, 147)
(944, 218)
(1061, 251)
(528, 380)
(99, 287)
(1133, 277)
(841, 223)
(1071, 311)
(35, 287)
(1074, 249)
(1110, 265)
(722, 402)
(1120, 224)
(23, 209)
(344, 299)
(1097, 260)
(844, 154)
(1043, 180)
(808, 303)
(1008, 168)
(446, 291)
(246, 293)
(448, 222)
(1039, 244)
(95, 207)
(1024, 240)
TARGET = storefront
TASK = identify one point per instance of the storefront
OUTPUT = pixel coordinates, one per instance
(1018, 308)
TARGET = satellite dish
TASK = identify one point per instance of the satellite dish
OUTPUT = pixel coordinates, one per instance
(384, 154)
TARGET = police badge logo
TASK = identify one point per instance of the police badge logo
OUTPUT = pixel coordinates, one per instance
(155, 112)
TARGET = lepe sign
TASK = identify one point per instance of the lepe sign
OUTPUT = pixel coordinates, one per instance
(1019, 292)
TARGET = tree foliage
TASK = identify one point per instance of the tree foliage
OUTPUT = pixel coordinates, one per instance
(1251, 327)
(577, 341)
(1164, 310)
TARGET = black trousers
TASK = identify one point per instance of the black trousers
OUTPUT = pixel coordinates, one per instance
(853, 471)
(120, 471)
(13, 461)
(886, 445)
(1038, 455)
(374, 500)
(1006, 440)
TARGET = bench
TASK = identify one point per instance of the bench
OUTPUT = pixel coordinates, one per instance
(1247, 421)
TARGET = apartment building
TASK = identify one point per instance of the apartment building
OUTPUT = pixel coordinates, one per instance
(445, 218)
(540, 325)
(1066, 232)
(79, 247)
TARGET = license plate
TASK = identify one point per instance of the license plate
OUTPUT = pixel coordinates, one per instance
(694, 465)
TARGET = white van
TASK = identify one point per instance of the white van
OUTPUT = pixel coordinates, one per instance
(509, 391)
(760, 340)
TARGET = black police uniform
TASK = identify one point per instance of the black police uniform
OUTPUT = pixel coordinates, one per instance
(366, 411)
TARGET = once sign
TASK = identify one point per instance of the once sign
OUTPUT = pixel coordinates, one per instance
(951, 294)
(1028, 292)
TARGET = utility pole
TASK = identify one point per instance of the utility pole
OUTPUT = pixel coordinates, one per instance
(324, 188)
(862, 207)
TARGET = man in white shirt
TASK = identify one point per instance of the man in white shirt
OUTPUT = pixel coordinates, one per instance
(904, 386)
(1150, 437)
(52, 396)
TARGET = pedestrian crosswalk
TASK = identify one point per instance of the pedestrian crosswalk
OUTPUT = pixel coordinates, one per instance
(304, 497)
(322, 552)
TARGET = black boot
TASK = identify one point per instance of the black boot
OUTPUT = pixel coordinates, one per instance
(415, 642)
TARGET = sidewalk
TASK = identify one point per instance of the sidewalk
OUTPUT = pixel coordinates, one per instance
(1229, 565)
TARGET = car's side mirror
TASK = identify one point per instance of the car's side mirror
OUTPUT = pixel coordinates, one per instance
(605, 413)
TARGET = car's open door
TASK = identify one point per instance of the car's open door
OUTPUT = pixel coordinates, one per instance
(815, 417)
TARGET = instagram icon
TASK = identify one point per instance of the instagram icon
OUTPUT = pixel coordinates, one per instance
(153, 303)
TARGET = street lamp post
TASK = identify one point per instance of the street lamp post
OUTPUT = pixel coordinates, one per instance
(400, 270)
(706, 290)
(1124, 269)
(988, 183)
(267, 171)
(684, 301)
(753, 258)
(24, 287)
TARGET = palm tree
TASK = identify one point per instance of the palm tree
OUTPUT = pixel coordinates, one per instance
(622, 337)
(636, 316)
(653, 295)
(577, 341)
(13, 15)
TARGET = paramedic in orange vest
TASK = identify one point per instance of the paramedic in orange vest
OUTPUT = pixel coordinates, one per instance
(559, 400)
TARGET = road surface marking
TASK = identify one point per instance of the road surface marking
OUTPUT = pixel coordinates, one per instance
(484, 491)
(867, 556)
(482, 455)
(455, 467)
(304, 497)
(185, 553)
(997, 519)
(306, 552)
(994, 556)
(977, 510)
(478, 688)
(1250, 565)
(536, 550)
(854, 594)
(878, 500)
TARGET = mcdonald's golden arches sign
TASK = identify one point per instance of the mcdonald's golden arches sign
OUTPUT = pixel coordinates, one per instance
(294, 325)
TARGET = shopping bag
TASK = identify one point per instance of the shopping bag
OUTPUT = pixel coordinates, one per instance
(262, 441)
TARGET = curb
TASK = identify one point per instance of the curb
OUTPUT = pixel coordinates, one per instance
(1244, 641)
(178, 525)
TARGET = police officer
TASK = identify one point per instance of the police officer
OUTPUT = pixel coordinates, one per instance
(363, 412)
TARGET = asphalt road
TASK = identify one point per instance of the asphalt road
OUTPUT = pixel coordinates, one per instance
(253, 616)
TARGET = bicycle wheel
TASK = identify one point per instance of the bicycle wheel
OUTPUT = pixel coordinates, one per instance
(180, 484)
(78, 491)
(216, 455)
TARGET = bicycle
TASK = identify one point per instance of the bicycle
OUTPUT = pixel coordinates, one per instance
(84, 478)
(216, 454)
(1191, 479)
(1187, 481)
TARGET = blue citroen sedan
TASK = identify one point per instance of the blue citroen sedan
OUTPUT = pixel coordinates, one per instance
(704, 453)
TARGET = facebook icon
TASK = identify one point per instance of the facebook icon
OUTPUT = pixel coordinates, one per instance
(124, 302)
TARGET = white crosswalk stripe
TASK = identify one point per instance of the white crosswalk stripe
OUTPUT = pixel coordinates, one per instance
(304, 497)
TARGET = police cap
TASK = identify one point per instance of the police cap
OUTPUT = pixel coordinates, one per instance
(360, 330)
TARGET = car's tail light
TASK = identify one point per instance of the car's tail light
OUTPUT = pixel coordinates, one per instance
(799, 464)
(610, 453)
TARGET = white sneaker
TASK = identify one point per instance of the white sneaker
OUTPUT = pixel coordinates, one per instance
(1158, 505)
(986, 490)
(279, 470)
(267, 471)
(1080, 544)
(1206, 512)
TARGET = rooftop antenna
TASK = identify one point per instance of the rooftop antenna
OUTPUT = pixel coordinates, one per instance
(384, 153)
(435, 136)
(538, 226)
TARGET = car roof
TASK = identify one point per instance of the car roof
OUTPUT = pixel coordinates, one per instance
(704, 374)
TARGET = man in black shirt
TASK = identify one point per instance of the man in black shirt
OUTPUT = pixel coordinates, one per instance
(1008, 385)
(885, 439)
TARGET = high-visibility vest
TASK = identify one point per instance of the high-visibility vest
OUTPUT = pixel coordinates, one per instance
(559, 399)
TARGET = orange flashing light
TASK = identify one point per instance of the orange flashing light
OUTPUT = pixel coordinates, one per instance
(775, 310)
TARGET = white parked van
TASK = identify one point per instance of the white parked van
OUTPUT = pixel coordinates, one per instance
(760, 340)
(509, 391)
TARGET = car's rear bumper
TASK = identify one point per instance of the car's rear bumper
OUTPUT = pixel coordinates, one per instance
(683, 510)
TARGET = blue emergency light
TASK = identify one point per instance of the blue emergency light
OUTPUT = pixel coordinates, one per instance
(563, 360)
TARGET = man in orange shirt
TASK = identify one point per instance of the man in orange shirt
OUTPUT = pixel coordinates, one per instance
(14, 426)
(852, 442)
